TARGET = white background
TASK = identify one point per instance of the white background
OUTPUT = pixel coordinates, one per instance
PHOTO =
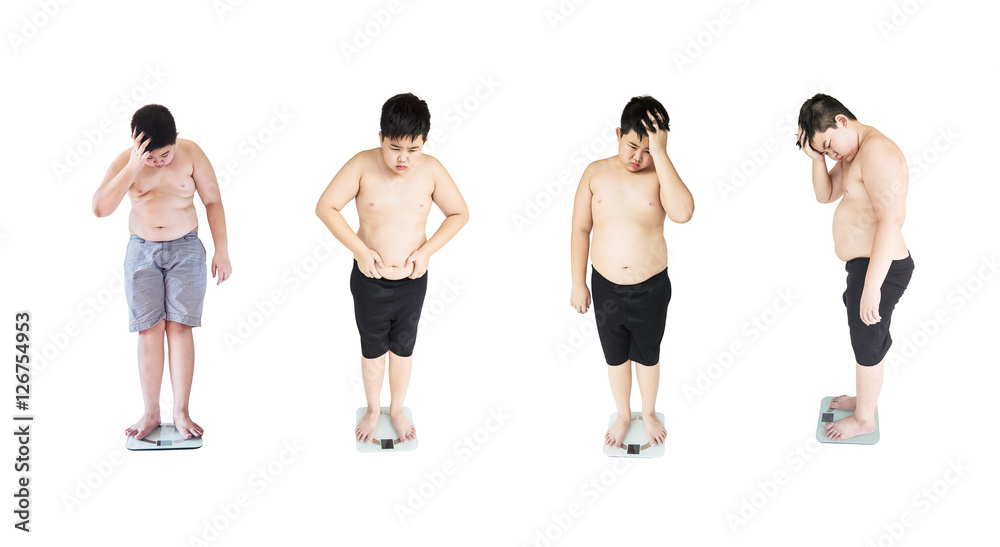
(499, 335)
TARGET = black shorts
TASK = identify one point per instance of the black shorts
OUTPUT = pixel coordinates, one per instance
(631, 318)
(387, 312)
(871, 342)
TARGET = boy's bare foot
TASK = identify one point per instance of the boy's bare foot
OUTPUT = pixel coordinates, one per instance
(404, 429)
(848, 427)
(654, 429)
(616, 433)
(186, 427)
(365, 431)
(844, 402)
(147, 423)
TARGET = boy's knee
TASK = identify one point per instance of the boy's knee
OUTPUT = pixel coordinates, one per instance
(155, 330)
(175, 327)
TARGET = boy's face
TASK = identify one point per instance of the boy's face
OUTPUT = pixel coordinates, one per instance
(161, 157)
(633, 151)
(401, 154)
(840, 143)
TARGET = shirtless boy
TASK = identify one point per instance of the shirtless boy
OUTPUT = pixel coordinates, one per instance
(871, 178)
(165, 275)
(393, 187)
(624, 200)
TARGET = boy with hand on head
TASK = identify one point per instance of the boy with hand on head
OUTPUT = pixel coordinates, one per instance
(624, 200)
(165, 276)
(393, 187)
(870, 179)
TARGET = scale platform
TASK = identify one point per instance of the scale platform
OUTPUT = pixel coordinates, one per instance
(827, 415)
(163, 437)
(636, 443)
(385, 434)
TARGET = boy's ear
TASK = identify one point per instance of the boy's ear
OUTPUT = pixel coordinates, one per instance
(841, 120)
(379, 136)
(618, 132)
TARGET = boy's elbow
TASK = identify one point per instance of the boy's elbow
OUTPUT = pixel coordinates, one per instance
(688, 214)
(682, 216)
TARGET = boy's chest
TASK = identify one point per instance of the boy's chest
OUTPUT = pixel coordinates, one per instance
(397, 196)
(854, 186)
(175, 182)
(616, 198)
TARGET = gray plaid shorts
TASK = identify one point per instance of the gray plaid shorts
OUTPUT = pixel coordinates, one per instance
(165, 280)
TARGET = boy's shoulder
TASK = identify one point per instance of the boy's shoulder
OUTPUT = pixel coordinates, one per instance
(433, 164)
(597, 167)
(877, 149)
(602, 169)
(189, 150)
(186, 145)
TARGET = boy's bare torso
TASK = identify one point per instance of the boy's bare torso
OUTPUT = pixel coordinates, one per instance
(393, 210)
(855, 221)
(163, 199)
(627, 246)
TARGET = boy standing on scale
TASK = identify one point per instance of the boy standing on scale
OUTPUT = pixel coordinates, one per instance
(165, 276)
(393, 187)
(870, 179)
(624, 200)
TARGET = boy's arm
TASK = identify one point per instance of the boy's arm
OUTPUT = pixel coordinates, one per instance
(579, 245)
(675, 198)
(342, 189)
(208, 190)
(885, 175)
(120, 177)
(829, 186)
(447, 197)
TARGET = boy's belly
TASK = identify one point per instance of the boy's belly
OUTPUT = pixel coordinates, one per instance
(854, 232)
(162, 217)
(394, 247)
(626, 253)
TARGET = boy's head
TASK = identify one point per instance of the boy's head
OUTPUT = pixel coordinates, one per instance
(404, 126)
(825, 125)
(633, 138)
(157, 125)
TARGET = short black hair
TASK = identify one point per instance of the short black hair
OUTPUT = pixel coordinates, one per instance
(819, 114)
(405, 115)
(635, 113)
(158, 125)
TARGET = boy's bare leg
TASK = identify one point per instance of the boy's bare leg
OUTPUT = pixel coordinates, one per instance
(180, 341)
(150, 379)
(649, 384)
(869, 383)
(620, 377)
(372, 373)
(399, 381)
